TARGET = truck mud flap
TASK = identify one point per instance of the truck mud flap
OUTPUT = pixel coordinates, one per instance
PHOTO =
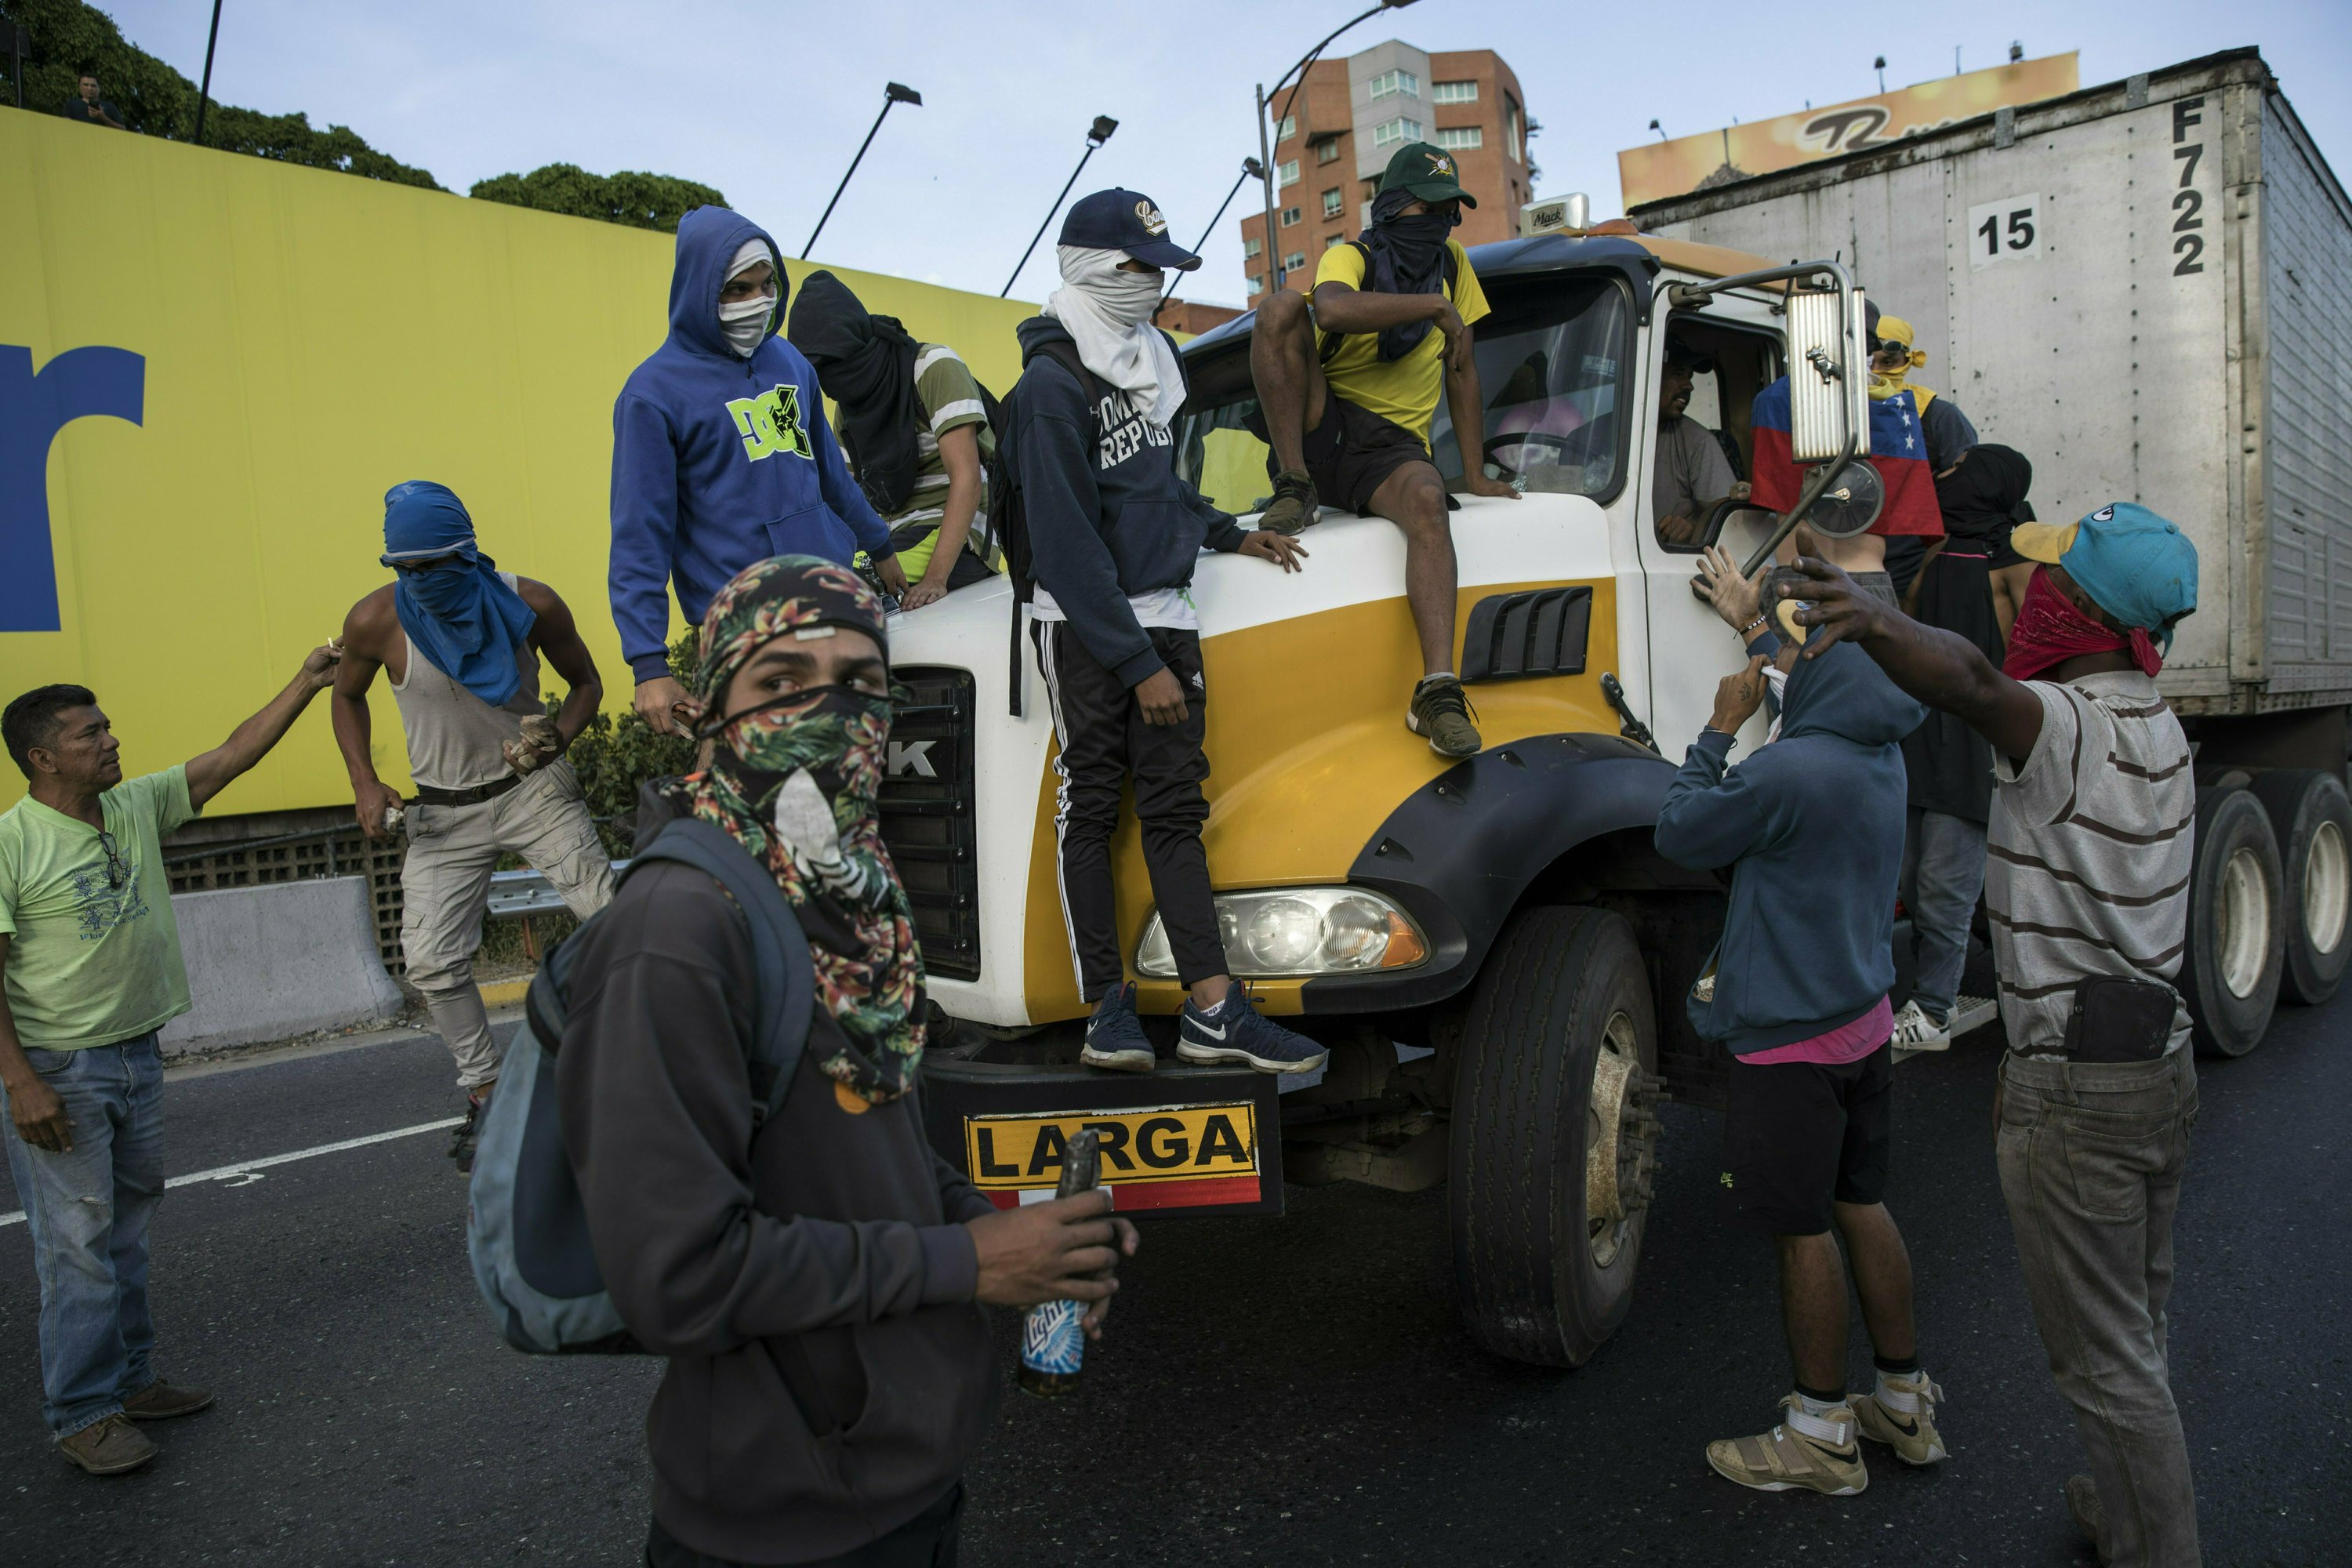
(1180, 1141)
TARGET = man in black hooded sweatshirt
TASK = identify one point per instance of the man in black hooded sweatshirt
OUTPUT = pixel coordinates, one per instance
(914, 428)
(1348, 380)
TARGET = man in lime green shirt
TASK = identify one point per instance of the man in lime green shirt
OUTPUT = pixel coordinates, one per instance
(89, 970)
(1348, 377)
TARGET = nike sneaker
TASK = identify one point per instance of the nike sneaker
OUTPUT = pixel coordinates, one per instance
(1910, 1433)
(1785, 1459)
(1115, 1037)
(1293, 505)
(1231, 1031)
(1441, 713)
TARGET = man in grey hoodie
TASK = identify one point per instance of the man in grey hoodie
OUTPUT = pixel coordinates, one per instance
(812, 1279)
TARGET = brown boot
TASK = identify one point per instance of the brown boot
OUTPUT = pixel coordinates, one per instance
(159, 1400)
(109, 1446)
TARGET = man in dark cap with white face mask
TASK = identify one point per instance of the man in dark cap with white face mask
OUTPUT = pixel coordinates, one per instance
(1114, 532)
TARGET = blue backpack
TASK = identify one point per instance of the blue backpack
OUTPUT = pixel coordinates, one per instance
(527, 1231)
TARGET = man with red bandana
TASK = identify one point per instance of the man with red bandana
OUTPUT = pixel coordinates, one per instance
(2092, 839)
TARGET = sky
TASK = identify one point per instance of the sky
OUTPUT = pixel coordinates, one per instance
(767, 99)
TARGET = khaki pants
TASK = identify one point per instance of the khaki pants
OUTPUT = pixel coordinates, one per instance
(444, 882)
(2091, 1159)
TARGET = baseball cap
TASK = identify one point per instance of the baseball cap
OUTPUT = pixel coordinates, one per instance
(1129, 221)
(2134, 564)
(1427, 172)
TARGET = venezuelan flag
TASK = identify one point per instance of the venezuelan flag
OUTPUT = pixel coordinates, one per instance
(1899, 450)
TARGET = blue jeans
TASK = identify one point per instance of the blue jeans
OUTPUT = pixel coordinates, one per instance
(1943, 873)
(88, 1210)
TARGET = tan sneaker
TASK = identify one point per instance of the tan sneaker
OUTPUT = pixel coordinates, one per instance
(1441, 713)
(159, 1400)
(1913, 1437)
(108, 1446)
(1785, 1459)
(1295, 505)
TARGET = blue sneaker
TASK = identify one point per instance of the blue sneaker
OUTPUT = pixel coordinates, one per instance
(1115, 1037)
(1232, 1032)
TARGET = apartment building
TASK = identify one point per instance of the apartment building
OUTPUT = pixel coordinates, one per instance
(1348, 118)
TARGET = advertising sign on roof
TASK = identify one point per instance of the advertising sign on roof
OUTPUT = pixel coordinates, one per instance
(1661, 169)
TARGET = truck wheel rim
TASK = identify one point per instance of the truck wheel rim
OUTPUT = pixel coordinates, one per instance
(2327, 889)
(2244, 943)
(1620, 1143)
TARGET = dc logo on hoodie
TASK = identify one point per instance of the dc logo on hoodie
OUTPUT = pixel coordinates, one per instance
(771, 423)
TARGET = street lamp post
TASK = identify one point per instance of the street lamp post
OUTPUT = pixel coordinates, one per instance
(893, 94)
(1266, 102)
(205, 93)
(1099, 133)
(1250, 169)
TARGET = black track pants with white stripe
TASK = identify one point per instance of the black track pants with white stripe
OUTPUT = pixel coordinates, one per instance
(1104, 742)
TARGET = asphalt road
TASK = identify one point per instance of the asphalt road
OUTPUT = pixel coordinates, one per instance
(1290, 1391)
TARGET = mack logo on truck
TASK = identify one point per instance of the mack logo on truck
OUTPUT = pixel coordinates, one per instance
(912, 758)
(1185, 1155)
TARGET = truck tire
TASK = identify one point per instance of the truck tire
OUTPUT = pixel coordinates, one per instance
(2312, 817)
(2230, 974)
(1554, 1136)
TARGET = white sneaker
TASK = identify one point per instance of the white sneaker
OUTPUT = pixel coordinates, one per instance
(1915, 1031)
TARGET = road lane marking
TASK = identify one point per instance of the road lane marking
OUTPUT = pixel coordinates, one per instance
(253, 1167)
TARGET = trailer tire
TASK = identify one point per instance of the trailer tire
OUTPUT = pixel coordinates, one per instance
(2230, 973)
(1553, 1136)
(2312, 817)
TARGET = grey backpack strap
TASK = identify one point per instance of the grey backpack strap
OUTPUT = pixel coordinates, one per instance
(787, 981)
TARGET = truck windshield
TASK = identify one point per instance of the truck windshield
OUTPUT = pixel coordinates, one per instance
(1551, 357)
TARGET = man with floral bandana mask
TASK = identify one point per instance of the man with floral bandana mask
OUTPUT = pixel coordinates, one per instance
(811, 1278)
(722, 455)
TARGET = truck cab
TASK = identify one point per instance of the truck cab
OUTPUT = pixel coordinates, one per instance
(1490, 947)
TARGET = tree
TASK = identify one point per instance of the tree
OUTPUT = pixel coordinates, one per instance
(157, 100)
(638, 200)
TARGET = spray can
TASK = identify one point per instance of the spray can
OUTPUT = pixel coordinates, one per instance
(1053, 1344)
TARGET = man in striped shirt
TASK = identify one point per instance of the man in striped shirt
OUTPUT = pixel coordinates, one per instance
(2091, 838)
(915, 427)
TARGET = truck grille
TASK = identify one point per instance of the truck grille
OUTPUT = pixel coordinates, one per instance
(927, 816)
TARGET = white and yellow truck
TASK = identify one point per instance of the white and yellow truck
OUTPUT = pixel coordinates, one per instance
(1491, 948)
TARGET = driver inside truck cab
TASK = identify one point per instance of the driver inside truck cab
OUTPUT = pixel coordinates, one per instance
(1691, 472)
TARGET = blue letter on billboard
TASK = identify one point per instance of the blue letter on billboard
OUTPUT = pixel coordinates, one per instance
(33, 409)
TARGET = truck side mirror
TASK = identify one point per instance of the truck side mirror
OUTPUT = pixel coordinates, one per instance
(1829, 376)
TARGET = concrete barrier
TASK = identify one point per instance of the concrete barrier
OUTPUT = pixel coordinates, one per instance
(272, 962)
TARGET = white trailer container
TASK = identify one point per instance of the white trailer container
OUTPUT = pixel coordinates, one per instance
(2147, 289)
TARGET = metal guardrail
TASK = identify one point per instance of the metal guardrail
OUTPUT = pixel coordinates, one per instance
(528, 892)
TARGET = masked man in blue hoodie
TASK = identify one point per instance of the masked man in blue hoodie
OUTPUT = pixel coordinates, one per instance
(1811, 830)
(1115, 532)
(721, 455)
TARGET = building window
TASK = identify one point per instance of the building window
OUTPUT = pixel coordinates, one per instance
(1461, 138)
(1328, 150)
(1511, 127)
(1454, 92)
(1285, 172)
(1257, 282)
(1332, 202)
(1331, 239)
(1401, 129)
(1389, 82)
(1295, 262)
(1291, 216)
(1250, 247)
(1287, 128)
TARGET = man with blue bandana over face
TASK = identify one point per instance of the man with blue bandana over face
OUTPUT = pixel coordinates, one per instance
(460, 642)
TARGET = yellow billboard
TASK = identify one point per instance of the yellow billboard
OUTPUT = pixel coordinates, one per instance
(213, 366)
(1661, 169)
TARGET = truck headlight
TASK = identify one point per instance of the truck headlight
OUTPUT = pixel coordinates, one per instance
(1280, 932)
